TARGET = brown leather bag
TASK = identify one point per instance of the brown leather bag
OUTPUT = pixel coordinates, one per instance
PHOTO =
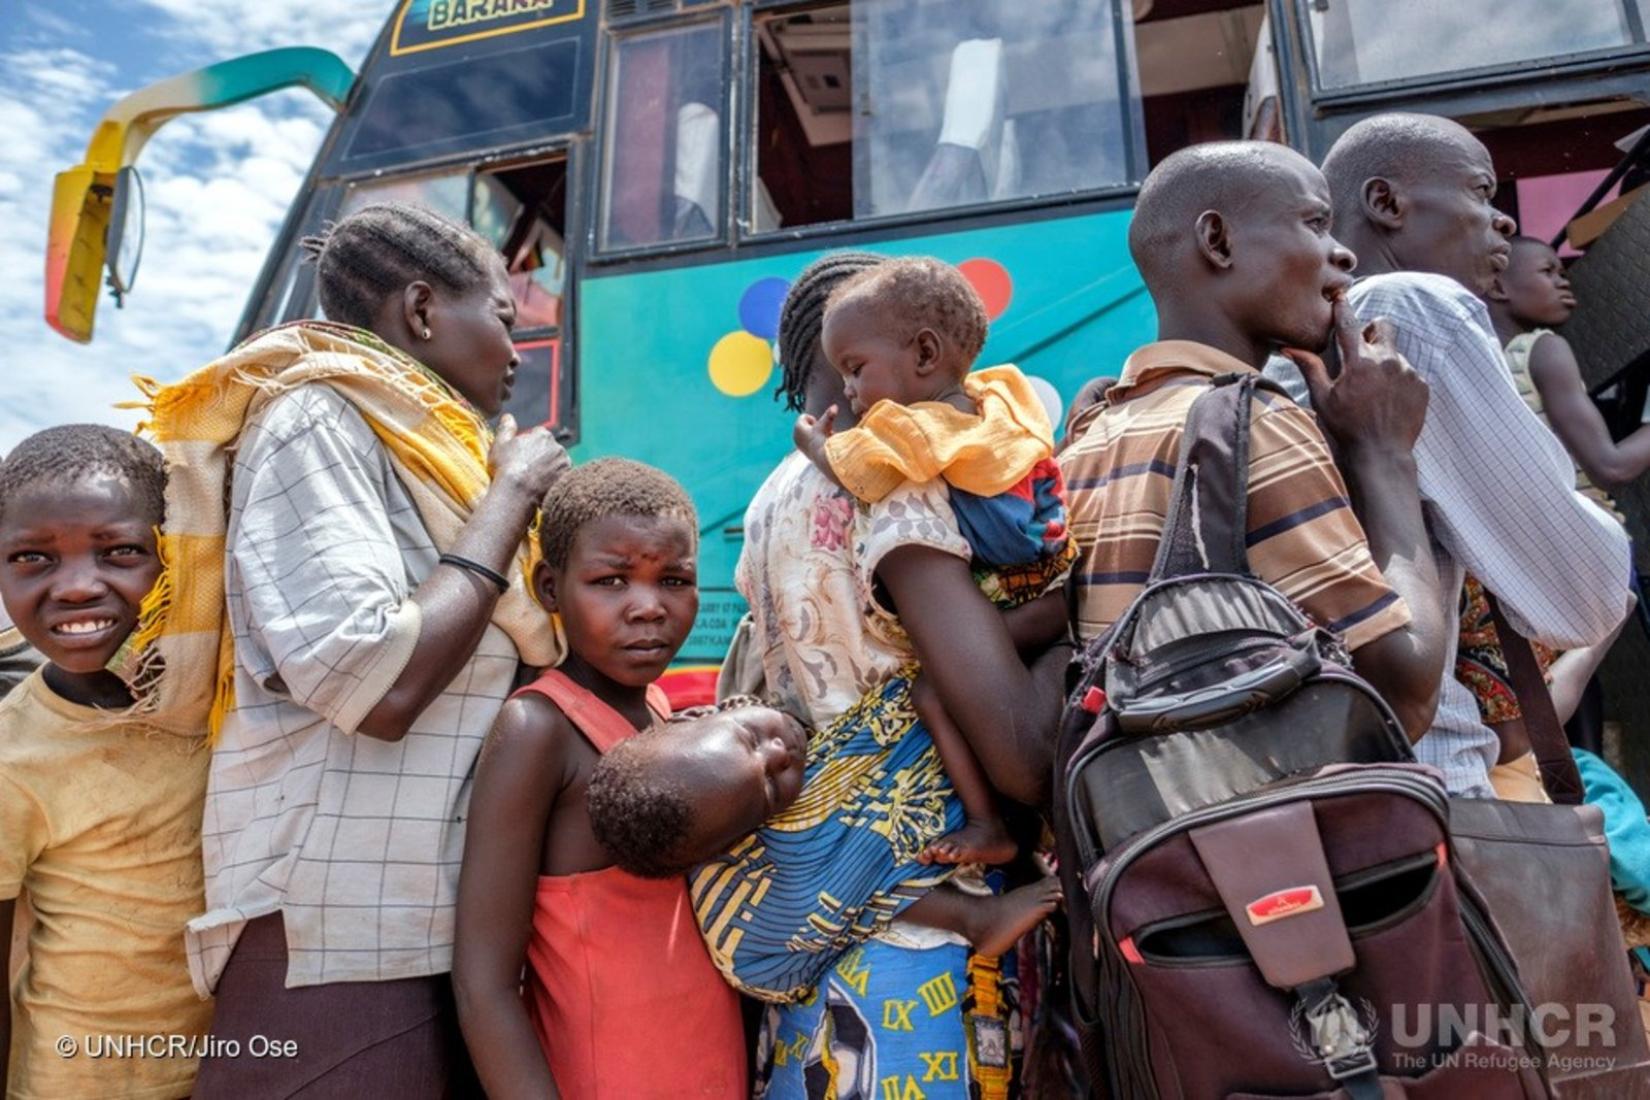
(1542, 873)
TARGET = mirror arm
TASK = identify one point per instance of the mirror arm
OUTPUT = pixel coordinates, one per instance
(82, 196)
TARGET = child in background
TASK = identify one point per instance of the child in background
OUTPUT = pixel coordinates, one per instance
(905, 335)
(100, 815)
(621, 998)
(1527, 299)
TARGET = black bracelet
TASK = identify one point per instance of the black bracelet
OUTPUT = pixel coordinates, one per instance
(478, 569)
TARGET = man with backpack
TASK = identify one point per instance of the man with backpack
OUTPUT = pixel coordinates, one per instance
(1233, 242)
(1253, 863)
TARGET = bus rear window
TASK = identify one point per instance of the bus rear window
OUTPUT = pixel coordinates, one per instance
(1357, 42)
(880, 107)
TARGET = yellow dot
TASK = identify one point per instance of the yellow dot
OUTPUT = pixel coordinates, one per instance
(740, 364)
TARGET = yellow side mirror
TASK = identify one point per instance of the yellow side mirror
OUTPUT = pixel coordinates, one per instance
(82, 198)
(75, 249)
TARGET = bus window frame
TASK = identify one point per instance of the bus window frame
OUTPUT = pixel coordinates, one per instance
(1580, 63)
(612, 37)
(1134, 144)
(1314, 121)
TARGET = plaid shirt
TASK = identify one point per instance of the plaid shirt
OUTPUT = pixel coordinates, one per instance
(1499, 495)
(1500, 502)
(1303, 536)
(355, 841)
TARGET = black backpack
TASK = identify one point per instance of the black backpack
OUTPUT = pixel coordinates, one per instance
(1215, 656)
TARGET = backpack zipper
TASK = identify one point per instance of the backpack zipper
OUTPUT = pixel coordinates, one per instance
(1422, 791)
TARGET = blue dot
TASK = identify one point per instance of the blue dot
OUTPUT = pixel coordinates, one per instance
(759, 307)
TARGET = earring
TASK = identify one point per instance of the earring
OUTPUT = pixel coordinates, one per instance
(426, 332)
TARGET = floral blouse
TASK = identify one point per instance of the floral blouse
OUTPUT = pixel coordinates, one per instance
(808, 571)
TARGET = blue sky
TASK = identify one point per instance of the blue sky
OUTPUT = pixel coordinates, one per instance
(217, 184)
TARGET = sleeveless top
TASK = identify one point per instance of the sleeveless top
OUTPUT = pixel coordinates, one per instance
(620, 989)
(1518, 361)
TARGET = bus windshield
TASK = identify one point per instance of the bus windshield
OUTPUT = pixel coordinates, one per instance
(1358, 42)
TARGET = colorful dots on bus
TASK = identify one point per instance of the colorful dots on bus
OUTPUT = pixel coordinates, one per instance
(759, 306)
(740, 364)
(992, 282)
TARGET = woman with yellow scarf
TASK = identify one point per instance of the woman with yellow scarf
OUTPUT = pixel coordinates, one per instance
(343, 609)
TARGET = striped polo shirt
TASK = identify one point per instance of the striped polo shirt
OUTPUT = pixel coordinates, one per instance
(1303, 536)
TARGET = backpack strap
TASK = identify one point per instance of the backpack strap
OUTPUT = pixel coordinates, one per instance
(1559, 773)
(1206, 528)
(601, 725)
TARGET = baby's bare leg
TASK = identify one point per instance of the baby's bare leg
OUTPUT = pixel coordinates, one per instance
(992, 925)
(983, 838)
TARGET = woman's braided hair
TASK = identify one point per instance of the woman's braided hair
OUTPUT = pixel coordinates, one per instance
(803, 315)
(379, 249)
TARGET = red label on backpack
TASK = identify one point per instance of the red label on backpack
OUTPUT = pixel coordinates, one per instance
(1284, 903)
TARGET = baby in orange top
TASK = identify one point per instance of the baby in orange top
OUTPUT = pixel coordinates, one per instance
(904, 335)
(621, 998)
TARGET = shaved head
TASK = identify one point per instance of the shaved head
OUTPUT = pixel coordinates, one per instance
(1396, 146)
(1223, 176)
(1416, 193)
(1232, 239)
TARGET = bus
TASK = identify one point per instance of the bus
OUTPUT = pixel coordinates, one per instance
(654, 172)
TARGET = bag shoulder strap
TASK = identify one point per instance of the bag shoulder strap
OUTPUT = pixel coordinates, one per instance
(1206, 528)
(1559, 773)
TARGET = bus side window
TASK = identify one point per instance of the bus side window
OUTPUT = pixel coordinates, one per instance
(1373, 41)
(867, 108)
(522, 211)
(442, 192)
(1207, 76)
(662, 169)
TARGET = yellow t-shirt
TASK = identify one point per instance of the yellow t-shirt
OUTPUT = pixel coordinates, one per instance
(101, 824)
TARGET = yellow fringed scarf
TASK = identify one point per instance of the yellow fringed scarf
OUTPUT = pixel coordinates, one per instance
(180, 660)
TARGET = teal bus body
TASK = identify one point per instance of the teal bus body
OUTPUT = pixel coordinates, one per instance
(1077, 309)
(468, 107)
(686, 159)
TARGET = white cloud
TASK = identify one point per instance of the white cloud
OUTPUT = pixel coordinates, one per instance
(217, 187)
(229, 28)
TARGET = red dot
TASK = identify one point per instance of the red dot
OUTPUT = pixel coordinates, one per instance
(992, 282)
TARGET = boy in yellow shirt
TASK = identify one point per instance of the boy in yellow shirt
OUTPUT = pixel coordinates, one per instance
(100, 815)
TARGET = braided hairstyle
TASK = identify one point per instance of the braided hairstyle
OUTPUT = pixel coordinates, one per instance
(803, 315)
(376, 251)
